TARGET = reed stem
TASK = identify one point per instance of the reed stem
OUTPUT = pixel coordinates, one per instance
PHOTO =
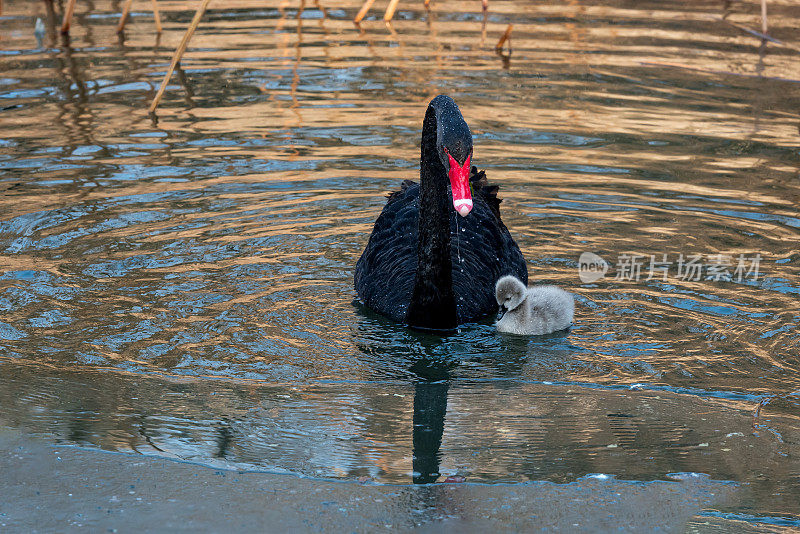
(156, 15)
(387, 17)
(363, 11)
(126, 8)
(68, 12)
(179, 53)
(506, 37)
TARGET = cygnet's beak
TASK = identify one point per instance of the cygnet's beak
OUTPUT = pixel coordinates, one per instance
(502, 312)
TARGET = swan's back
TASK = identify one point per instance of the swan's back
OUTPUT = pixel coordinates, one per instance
(481, 251)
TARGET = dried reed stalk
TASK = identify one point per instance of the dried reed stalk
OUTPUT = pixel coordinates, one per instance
(179, 53)
(68, 12)
(387, 17)
(506, 37)
(764, 17)
(126, 9)
(156, 15)
(363, 11)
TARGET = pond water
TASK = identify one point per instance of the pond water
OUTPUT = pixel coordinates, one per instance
(184, 287)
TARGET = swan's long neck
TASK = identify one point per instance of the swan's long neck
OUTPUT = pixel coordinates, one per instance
(433, 303)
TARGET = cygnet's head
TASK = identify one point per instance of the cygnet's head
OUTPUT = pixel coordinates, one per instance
(509, 292)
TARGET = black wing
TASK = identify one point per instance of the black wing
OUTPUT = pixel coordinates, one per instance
(482, 250)
(384, 276)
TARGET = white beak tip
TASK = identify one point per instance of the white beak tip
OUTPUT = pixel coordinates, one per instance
(463, 207)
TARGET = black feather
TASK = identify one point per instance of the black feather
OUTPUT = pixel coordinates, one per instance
(426, 265)
(482, 250)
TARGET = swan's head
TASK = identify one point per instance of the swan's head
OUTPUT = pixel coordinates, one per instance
(454, 146)
(509, 292)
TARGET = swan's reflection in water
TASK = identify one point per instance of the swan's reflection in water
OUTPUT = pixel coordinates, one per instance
(430, 408)
(431, 363)
(431, 386)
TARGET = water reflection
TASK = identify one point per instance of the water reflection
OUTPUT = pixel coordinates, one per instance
(491, 431)
(430, 408)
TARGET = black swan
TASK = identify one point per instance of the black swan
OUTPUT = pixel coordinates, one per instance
(532, 311)
(438, 246)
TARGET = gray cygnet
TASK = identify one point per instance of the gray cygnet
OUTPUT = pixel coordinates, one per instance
(536, 310)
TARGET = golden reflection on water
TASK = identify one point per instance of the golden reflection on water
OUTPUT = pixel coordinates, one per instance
(215, 248)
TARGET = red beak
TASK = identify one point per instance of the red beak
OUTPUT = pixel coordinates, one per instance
(459, 183)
